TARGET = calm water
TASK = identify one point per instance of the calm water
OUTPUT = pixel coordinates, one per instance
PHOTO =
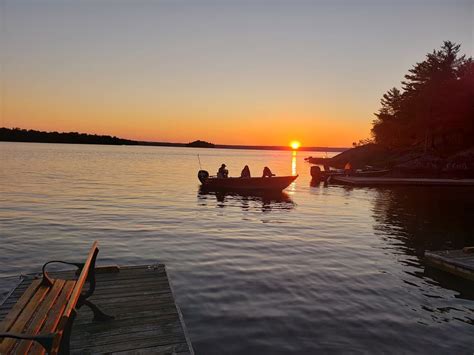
(314, 270)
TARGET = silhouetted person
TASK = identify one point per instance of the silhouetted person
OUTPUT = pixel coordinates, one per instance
(348, 169)
(222, 172)
(267, 172)
(245, 172)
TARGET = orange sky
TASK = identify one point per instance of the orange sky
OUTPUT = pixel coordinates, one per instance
(225, 72)
(146, 120)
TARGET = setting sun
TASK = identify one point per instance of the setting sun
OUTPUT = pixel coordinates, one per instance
(295, 145)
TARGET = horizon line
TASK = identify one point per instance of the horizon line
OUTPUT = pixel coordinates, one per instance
(178, 144)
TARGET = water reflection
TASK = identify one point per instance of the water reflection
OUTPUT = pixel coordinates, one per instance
(446, 280)
(413, 220)
(293, 163)
(317, 183)
(292, 187)
(265, 201)
(426, 218)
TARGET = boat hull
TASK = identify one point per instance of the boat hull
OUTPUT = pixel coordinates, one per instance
(370, 173)
(276, 183)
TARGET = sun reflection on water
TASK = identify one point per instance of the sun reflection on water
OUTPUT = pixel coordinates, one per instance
(293, 163)
(292, 187)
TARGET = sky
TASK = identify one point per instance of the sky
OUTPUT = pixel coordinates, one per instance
(228, 72)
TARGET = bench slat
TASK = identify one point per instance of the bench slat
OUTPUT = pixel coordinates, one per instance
(41, 315)
(54, 314)
(18, 307)
(24, 317)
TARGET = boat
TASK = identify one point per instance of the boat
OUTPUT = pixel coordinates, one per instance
(327, 175)
(274, 183)
(371, 173)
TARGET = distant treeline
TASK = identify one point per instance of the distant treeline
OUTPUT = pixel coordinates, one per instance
(434, 110)
(279, 147)
(30, 135)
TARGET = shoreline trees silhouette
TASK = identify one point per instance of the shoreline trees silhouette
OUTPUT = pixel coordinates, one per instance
(30, 135)
(425, 128)
(434, 110)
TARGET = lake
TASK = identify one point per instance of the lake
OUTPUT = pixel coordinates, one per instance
(324, 269)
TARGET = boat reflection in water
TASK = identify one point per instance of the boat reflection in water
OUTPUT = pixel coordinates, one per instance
(265, 201)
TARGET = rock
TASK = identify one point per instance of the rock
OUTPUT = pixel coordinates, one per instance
(461, 164)
(427, 165)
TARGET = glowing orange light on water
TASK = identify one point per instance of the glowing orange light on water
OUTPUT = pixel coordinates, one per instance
(293, 163)
(295, 145)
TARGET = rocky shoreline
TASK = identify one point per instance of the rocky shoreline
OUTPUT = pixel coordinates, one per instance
(405, 163)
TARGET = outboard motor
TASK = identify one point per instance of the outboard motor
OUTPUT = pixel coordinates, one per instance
(316, 172)
(203, 175)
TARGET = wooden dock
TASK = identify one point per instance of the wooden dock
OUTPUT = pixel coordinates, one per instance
(456, 262)
(147, 319)
(392, 181)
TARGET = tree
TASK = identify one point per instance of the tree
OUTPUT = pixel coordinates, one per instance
(435, 103)
(386, 128)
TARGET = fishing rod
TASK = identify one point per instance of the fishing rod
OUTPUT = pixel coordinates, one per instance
(199, 159)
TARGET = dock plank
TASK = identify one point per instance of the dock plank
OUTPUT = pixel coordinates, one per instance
(147, 319)
(456, 262)
(393, 181)
(178, 349)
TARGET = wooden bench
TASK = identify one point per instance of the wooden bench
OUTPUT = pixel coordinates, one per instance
(41, 320)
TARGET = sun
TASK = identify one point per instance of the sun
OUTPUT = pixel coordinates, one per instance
(295, 145)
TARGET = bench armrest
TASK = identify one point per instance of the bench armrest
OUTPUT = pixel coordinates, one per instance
(46, 279)
(46, 341)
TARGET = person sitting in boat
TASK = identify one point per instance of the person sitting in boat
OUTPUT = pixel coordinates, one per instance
(267, 172)
(222, 173)
(245, 172)
(348, 169)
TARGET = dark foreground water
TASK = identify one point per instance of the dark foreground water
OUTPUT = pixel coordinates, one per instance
(314, 270)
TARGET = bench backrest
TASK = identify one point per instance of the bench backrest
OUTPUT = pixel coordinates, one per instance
(64, 328)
